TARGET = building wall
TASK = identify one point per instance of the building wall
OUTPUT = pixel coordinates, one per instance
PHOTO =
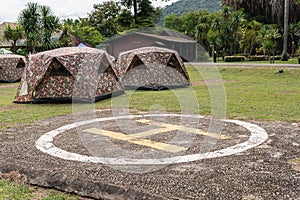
(187, 50)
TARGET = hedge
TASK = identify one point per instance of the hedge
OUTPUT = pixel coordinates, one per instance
(258, 58)
(263, 58)
(234, 58)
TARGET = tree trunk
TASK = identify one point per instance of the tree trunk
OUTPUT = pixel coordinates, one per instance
(286, 24)
(135, 11)
(14, 49)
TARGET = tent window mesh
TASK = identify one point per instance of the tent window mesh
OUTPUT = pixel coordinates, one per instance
(58, 69)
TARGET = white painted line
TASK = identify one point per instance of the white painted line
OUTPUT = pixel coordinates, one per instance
(45, 144)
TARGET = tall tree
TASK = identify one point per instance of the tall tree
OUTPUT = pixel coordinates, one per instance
(250, 36)
(129, 4)
(14, 34)
(270, 35)
(173, 21)
(190, 21)
(147, 14)
(39, 24)
(125, 20)
(81, 29)
(29, 20)
(135, 5)
(217, 23)
(202, 29)
(237, 19)
(270, 11)
(294, 32)
(285, 30)
(49, 25)
(104, 17)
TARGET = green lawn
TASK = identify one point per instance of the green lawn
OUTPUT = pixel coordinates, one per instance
(258, 93)
(263, 93)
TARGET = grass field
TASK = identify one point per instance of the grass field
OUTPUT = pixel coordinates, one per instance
(252, 93)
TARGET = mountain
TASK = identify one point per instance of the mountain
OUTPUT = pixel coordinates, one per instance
(182, 6)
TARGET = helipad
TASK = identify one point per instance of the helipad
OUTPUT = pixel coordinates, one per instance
(45, 143)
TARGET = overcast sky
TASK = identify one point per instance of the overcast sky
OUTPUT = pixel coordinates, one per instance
(10, 9)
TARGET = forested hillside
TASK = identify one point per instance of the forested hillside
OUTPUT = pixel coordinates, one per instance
(183, 6)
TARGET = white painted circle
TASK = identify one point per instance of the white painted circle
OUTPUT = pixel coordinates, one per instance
(45, 144)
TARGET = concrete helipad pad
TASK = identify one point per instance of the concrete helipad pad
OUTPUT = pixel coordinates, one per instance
(156, 157)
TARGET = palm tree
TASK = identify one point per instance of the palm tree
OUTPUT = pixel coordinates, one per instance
(225, 12)
(250, 36)
(237, 19)
(13, 34)
(271, 35)
(272, 11)
(49, 24)
(29, 20)
(202, 29)
(39, 24)
(217, 23)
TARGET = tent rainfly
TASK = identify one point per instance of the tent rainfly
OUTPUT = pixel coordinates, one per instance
(152, 68)
(11, 67)
(66, 74)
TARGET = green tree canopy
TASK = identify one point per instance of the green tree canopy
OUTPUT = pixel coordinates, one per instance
(173, 21)
(14, 34)
(267, 11)
(39, 23)
(81, 29)
(104, 17)
(142, 8)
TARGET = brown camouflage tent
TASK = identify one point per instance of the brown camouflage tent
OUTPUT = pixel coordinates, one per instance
(152, 68)
(11, 67)
(70, 73)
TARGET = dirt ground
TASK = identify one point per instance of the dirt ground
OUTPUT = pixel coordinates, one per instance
(266, 171)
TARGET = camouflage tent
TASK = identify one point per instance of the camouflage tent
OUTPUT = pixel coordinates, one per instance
(152, 68)
(68, 73)
(11, 67)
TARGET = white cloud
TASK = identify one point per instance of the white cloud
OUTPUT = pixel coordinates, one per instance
(10, 10)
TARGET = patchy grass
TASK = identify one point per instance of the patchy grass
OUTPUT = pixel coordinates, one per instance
(10, 189)
(13, 186)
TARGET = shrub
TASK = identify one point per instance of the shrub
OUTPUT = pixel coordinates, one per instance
(23, 51)
(285, 57)
(258, 58)
(277, 57)
(235, 59)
